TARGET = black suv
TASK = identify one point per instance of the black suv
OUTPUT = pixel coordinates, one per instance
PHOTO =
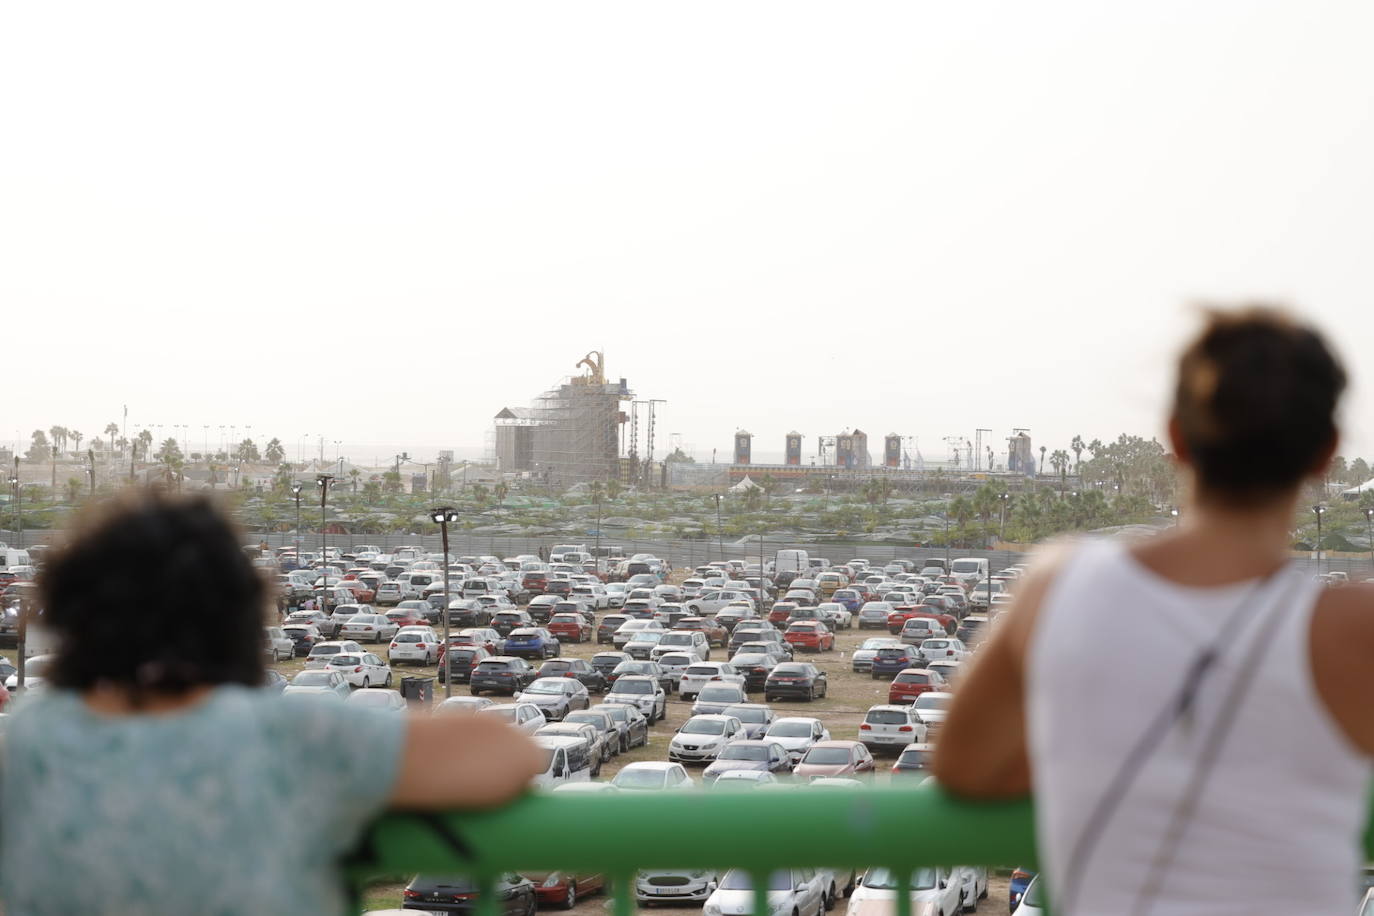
(590, 677)
(502, 674)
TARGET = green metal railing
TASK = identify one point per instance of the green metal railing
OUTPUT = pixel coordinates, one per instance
(757, 830)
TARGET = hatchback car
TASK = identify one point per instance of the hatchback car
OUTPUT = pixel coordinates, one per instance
(570, 627)
(810, 634)
(577, 668)
(502, 674)
(459, 660)
(715, 698)
(643, 693)
(318, 682)
(835, 758)
(630, 723)
(652, 775)
(891, 727)
(321, 652)
(795, 680)
(699, 675)
(889, 661)
(361, 669)
(514, 893)
(747, 754)
(701, 738)
(797, 891)
(914, 759)
(418, 645)
(910, 683)
(555, 696)
(369, 628)
(532, 642)
(873, 614)
(797, 734)
(506, 621)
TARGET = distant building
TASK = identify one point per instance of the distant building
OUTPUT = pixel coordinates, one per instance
(1020, 455)
(744, 447)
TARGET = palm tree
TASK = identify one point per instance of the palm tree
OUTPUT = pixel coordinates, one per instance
(273, 452)
(353, 473)
(59, 439)
(1077, 446)
(1060, 462)
(1042, 462)
(111, 430)
(145, 443)
(78, 437)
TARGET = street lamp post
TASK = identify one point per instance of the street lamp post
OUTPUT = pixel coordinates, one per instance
(443, 515)
(296, 492)
(323, 481)
(947, 544)
(1369, 524)
(720, 534)
(1174, 513)
(18, 503)
(1319, 510)
(1002, 534)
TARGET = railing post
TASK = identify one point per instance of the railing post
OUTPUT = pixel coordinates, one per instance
(759, 882)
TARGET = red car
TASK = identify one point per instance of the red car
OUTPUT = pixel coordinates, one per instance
(778, 613)
(901, 615)
(910, 683)
(534, 582)
(570, 626)
(561, 889)
(360, 590)
(810, 634)
(716, 635)
(405, 617)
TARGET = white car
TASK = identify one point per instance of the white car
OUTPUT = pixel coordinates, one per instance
(755, 717)
(797, 734)
(693, 642)
(369, 628)
(524, 716)
(931, 708)
(648, 775)
(861, 659)
(319, 656)
(35, 673)
(934, 891)
(462, 705)
(418, 645)
(944, 647)
(388, 593)
(891, 727)
(701, 738)
(631, 628)
(555, 696)
(797, 891)
(318, 683)
(1033, 901)
(703, 673)
(674, 663)
(594, 596)
(745, 779)
(643, 693)
(716, 697)
(973, 884)
(947, 668)
(615, 594)
(713, 600)
(836, 615)
(361, 669)
(693, 886)
(278, 645)
(384, 700)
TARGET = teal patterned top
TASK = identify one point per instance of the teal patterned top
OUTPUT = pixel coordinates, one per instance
(242, 804)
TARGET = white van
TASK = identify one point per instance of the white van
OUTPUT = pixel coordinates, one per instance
(476, 587)
(969, 569)
(566, 760)
(559, 551)
(11, 556)
(791, 561)
(414, 583)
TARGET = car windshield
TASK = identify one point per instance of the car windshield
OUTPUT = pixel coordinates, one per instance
(677, 639)
(618, 713)
(922, 879)
(312, 679)
(724, 694)
(704, 727)
(506, 713)
(650, 636)
(790, 730)
(935, 644)
(932, 702)
(547, 686)
(633, 687)
(749, 659)
(1034, 898)
(565, 618)
(737, 880)
(589, 718)
(876, 643)
(744, 752)
(346, 660)
(631, 778)
(912, 759)
(792, 670)
(493, 666)
(409, 637)
(912, 679)
(325, 650)
(827, 755)
(964, 566)
(747, 714)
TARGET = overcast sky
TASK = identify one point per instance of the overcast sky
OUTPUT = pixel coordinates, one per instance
(384, 222)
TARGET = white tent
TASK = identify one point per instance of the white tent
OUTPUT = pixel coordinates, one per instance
(745, 486)
(1353, 492)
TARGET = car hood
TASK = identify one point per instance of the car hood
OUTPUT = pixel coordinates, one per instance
(812, 770)
(722, 766)
(741, 902)
(698, 740)
(883, 903)
(931, 715)
(542, 699)
(791, 744)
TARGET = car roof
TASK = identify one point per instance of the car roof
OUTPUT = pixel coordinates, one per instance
(807, 719)
(914, 671)
(552, 741)
(903, 707)
(835, 742)
(942, 694)
(649, 765)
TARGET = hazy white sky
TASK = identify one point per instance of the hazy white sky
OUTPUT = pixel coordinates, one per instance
(384, 222)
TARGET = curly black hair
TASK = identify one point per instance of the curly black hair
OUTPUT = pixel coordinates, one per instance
(153, 593)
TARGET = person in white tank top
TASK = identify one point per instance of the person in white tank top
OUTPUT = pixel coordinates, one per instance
(1194, 714)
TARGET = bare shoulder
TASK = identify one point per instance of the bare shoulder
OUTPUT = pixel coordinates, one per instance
(1340, 644)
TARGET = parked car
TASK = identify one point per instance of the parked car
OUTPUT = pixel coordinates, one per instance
(944, 647)
(796, 891)
(459, 660)
(873, 614)
(835, 615)
(715, 632)
(361, 669)
(861, 659)
(716, 697)
(607, 662)
(533, 642)
(380, 700)
(652, 775)
(931, 707)
(795, 679)
(570, 627)
(910, 683)
(468, 612)
(813, 635)
(578, 668)
(934, 891)
(701, 738)
(755, 717)
(891, 727)
(755, 666)
(564, 889)
(914, 759)
(703, 673)
(506, 621)
(674, 664)
(889, 661)
(631, 724)
(555, 696)
(746, 754)
(643, 693)
(303, 638)
(314, 682)
(321, 651)
(277, 645)
(418, 645)
(797, 734)
(674, 886)
(643, 642)
(525, 717)
(502, 674)
(369, 628)
(318, 619)
(514, 893)
(605, 630)
(462, 705)
(835, 758)
(693, 642)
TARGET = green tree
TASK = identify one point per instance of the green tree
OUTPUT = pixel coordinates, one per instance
(38, 450)
(72, 489)
(77, 437)
(274, 452)
(1059, 460)
(145, 443)
(353, 475)
(1359, 471)
(372, 492)
(391, 482)
(1077, 447)
(59, 439)
(112, 430)
(247, 450)
(679, 455)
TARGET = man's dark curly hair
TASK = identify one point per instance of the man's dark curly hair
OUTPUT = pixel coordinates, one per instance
(154, 593)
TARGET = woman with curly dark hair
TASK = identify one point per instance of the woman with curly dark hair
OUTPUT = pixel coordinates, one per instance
(153, 774)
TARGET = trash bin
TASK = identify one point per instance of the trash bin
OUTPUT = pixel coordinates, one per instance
(418, 691)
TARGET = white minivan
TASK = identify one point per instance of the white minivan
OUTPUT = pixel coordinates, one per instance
(969, 569)
(413, 584)
(565, 760)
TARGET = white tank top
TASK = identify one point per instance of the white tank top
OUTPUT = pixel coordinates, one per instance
(1278, 818)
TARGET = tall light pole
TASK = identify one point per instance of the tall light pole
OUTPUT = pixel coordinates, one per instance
(442, 516)
(18, 507)
(296, 493)
(1174, 513)
(1005, 499)
(1319, 510)
(1368, 520)
(323, 481)
(720, 532)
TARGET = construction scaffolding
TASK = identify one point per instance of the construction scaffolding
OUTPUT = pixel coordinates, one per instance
(569, 434)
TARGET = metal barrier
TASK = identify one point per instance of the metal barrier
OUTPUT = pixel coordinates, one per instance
(760, 830)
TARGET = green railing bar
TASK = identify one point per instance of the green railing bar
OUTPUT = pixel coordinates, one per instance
(619, 834)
